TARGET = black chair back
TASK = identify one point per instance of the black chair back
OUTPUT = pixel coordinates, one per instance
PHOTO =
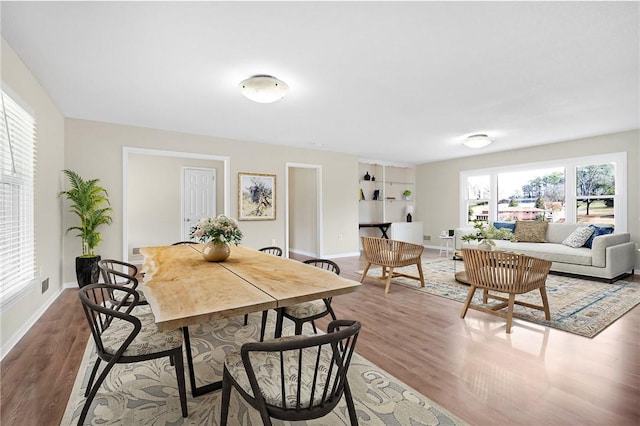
(310, 373)
(326, 264)
(276, 251)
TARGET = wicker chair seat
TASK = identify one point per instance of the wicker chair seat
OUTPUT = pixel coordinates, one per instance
(148, 340)
(306, 309)
(141, 300)
(269, 377)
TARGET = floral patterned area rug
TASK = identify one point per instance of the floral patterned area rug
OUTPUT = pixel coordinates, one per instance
(146, 393)
(582, 307)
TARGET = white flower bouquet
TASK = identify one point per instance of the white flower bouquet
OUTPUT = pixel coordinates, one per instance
(217, 229)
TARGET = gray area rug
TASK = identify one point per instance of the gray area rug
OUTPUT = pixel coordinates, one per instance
(146, 393)
(579, 306)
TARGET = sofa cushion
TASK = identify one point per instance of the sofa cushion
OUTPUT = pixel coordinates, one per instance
(508, 225)
(578, 237)
(531, 231)
(549, 251)
(597, 230)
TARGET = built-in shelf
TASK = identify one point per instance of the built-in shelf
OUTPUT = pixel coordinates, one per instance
(391, 181)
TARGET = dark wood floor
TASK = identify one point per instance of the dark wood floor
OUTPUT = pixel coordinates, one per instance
(535, 376)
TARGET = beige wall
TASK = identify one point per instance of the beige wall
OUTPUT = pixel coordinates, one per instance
(49, 161)
(94, 150)
(438, 183)
(303, 210)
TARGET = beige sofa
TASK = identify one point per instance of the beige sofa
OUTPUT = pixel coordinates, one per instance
(610, 258)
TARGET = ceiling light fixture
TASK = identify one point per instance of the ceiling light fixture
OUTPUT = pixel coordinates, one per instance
(477, 141)
(264, 89)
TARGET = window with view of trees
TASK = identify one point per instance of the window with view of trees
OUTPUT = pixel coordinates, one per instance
(532, 195)
(595, 191)
(577, 190)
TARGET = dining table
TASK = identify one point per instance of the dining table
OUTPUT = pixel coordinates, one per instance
(184, 289)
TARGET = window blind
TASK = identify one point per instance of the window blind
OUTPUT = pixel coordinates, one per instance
(17, 163)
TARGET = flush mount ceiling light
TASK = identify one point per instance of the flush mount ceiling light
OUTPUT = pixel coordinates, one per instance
(477, 141)
(263, 88)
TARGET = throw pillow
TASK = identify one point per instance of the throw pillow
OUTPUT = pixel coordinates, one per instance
(598, 230)
(531, 231)
(509, 225)
(579, 236)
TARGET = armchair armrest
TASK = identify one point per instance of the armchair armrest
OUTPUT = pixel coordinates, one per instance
(601, 242)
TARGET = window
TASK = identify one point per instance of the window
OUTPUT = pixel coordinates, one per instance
(478, 195)
(17, 162)
(536, 194)
(595, 191)
(574, 190)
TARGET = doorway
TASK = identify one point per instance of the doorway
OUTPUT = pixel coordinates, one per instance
(303, 203)
(152, 203)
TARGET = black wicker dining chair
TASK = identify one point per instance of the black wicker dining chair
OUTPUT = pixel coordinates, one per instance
(300, 313)
(122, 337)
(294, 377)
(113, 272)
(276, 251)
(182, 243)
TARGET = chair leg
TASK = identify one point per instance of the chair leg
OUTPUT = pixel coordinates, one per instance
(92, 377)
(246, 319)
(263, 324)
(386, 288)
(176, 359)
(512, 299)
(545, 303)
(364, 273)
(92, 393)
(465, 308)
(419, 264)
(350, 406)
(313, 324)
(226, 396)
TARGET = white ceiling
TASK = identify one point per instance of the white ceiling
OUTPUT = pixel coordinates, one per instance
(399, 81)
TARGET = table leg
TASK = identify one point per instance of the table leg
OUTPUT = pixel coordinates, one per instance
(196, 391)
(279, 321)
(384, 229)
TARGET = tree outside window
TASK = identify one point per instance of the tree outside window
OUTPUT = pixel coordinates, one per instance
(595, 191)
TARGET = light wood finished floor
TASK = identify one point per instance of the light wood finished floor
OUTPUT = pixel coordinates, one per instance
(471, 367)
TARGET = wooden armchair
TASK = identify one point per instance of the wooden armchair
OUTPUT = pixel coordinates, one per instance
(505, 272)
(391, 254)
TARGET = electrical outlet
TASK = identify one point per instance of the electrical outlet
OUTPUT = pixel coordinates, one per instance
(273, 242)
(339, 237)
(45, 285)
(427, 237)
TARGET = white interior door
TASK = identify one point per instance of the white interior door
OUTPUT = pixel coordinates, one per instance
(198, 196)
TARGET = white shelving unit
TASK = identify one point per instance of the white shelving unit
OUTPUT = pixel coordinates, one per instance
(390, 206)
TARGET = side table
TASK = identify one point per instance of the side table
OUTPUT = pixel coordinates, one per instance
(446, 245)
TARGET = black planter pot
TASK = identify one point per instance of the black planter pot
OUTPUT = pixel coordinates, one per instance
(87, 270)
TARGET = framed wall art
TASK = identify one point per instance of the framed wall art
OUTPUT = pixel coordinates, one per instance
(256, 196)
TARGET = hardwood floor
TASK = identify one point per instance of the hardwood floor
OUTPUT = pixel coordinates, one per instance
(471, 367)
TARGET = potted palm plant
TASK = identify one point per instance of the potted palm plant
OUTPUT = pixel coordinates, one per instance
(90, 202)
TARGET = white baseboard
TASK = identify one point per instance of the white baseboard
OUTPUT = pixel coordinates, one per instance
(328, 256)
(30, 322)
(339, 255)
(303, 253)
(70, 285)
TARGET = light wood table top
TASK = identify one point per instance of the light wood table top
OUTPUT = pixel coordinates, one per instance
(184, 289)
